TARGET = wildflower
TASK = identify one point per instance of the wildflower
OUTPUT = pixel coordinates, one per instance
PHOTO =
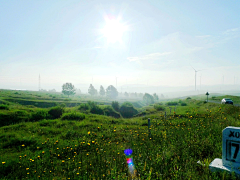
(43, 152)
(3, 162)
(77, 173)
(89, 132)
(63, 161)
(27, 168)
(23, 145)
(93, 142)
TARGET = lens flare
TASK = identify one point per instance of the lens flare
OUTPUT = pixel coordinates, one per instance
(131, 168)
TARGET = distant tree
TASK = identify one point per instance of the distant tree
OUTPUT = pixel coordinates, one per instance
(147, 98)
(111, 92)
(162, 96)
(115, 106)
(102, 91)
(68, 89)
(78, 91)
(140, 95)
(135, 94)
(155, 96)
(91, 90)
(126, 94)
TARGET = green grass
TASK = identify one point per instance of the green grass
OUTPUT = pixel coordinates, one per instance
(93, 148)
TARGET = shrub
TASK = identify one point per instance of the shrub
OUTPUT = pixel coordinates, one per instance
(39, 115)
(188, 98)
(3, 106)
(172, 103)
(84, 107)
(73, 116)
(183, 104)
(97, 110)
(115, 106)
(13, 117)
(109, 111)
(127, 110)
(94, 108)
(56, 112)
(159, 107)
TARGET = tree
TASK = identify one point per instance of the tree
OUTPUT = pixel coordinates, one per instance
(111, 92)
(68, 89)
(148, 98)
(91, 90)
(102, 91)
(126, 94)
(155, 96)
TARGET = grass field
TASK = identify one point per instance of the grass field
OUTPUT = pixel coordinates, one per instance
(93, 148)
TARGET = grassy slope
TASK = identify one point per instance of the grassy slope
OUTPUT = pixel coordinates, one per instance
(93, 148)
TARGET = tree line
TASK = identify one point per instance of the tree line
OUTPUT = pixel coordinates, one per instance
(110, 92)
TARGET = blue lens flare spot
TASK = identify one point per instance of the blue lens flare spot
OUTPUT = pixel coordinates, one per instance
(128, 152)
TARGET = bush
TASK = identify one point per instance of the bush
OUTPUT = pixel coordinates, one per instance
(94, 108)
(183, 104)
(172, 103)
(56, 112)
(188, 98)
(115, 106)
(39, 115)
(159, 107)
(3, 106)
(73, 116)
(109, 111)
(127, 110)
(13, 117)
(84, 107)
(97, 110)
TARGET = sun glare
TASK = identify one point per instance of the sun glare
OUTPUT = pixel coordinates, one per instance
(114, 30)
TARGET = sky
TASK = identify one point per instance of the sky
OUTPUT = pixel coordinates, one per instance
(105, 42)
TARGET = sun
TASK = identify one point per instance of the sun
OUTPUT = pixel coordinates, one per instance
(113, 30)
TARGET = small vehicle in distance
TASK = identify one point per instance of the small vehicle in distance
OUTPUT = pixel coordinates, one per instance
(226, 101)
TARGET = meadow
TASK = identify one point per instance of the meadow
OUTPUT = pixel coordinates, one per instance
(93, 147)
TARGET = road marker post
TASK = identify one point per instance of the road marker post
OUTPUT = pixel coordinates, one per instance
(230, 161)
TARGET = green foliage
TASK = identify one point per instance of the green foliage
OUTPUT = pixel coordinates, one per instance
(94, 108)
(13, 117)
(56, 112)
(172, 103)
(73, 116)
(159, 107)
(109, 111)
(183, 104)
(68, 89)
(148, 99)
(84, 107)
(111, 92)
(38, 115)
(188, 98)
(4, 107)
(115, 106)
(127, 110)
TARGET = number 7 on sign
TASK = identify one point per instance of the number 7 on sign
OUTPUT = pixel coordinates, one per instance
(236, 150)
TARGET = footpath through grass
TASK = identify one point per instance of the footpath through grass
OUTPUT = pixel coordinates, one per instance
(94, 148)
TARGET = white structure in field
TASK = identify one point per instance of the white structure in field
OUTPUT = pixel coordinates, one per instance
(230, 152)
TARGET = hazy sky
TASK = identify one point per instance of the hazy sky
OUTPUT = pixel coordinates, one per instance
(140, 42)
